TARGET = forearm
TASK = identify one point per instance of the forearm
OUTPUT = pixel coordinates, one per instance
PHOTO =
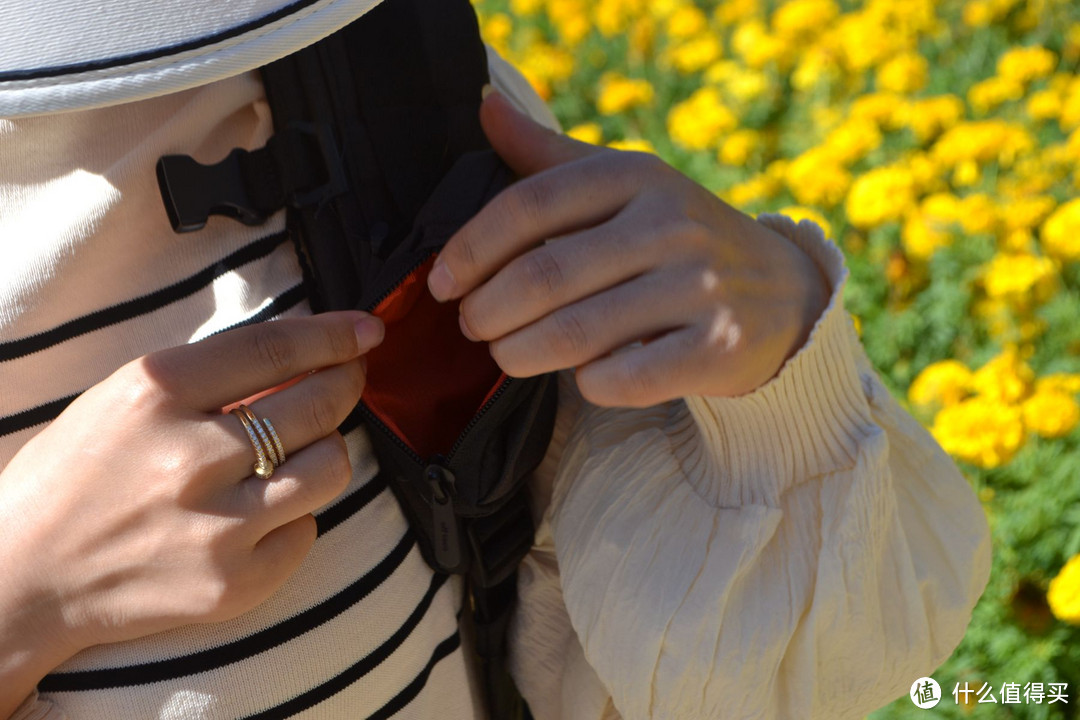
(30, 644)
(24, 661)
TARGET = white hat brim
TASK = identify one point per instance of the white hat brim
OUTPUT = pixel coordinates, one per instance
(58, 55)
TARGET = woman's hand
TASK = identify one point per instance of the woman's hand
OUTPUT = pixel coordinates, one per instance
(595, 249)
(137, 509)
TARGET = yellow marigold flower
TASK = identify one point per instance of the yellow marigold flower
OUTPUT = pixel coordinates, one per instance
(619, 93)
(721, 71)
(663, 9)
(982, 141)
(1063, 596)
(943, 209)
(881, 195)
(981, 431)
(760, 187)
(633, 144)
(739, 146)
(978, 13)
(925, 172)
(694, 54)
(988, 94)
(747, 86)
(1006, 378)
(686, 22)
(611, 16)
(1020, 278)
(1018, 241)
(967, 174)
(522, 8)
(797, 19)
(1060, 233)
(978, 214)
(799, 213)
(697, 122)
(815, 64)
(852, 140)
(1024, 64)
(940, 384)
(929, 117)
(1068, 383)
(910, 16)
(757, 47)
(731, 12)
(1025, 213)
(496, 30)
(1070, 108)
(571, 20)
(922, 236)
(905, 73)
(589, 132)
(816, 178)
(1050, 414)
(850, 37)
(1044, 105)
(884, 108)
(544, 64)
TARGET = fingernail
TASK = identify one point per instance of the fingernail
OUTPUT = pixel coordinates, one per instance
(486, 90)
(465, 329)
(369, 332)
(441, 281)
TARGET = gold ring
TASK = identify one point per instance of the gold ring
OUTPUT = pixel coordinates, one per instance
(277, 441)
(268, 446)
(263, 467)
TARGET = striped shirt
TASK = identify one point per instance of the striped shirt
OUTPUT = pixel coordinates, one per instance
(92, 276)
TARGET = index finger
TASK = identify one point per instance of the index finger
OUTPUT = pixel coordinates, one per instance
(560, 200)
(225, 368)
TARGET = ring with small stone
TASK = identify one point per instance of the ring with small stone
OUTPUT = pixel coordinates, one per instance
(269, 451)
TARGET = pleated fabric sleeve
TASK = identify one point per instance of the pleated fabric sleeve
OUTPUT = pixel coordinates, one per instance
(803, 551)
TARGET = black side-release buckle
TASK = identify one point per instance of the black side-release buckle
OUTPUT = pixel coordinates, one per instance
(299, 166)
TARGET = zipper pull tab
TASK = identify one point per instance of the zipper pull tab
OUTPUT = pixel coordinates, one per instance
(446, 530)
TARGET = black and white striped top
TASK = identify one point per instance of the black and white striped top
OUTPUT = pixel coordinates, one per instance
(91, 276)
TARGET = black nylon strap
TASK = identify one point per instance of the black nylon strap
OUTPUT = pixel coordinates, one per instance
(400, 89)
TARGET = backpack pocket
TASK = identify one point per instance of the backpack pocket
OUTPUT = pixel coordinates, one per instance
(456, 436)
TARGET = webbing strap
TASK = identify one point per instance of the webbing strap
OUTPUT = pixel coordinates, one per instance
(368, 122)
(400, 89)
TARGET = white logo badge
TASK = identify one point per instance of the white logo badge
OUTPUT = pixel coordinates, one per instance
(925, 693)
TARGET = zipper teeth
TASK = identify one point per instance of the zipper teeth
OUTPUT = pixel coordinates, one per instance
(476, 418)
(373, 418)
(401, 281)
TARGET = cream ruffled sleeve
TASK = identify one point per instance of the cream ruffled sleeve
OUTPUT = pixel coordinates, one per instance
(803, 551)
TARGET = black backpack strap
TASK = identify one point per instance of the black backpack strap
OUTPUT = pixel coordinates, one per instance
(369, 123)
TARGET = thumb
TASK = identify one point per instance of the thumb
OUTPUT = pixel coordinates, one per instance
(524, 144)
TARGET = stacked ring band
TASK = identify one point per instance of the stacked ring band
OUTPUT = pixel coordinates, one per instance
(269, 452)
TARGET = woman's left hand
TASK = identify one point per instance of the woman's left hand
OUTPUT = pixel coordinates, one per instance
(596, 249)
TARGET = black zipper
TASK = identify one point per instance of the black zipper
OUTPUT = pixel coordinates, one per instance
(476, 418)
(447, 537)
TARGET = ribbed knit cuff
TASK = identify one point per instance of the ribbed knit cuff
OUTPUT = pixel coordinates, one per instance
(806, 421)
(34, 709)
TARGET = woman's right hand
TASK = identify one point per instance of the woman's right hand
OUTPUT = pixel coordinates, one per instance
(137, 509)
